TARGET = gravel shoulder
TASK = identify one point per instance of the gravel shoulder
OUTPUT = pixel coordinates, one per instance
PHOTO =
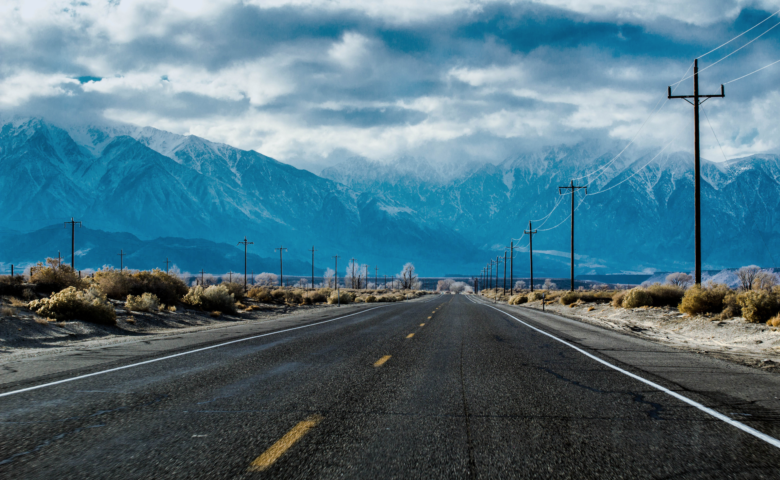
(736, 340)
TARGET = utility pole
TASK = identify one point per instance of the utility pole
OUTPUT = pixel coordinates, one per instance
(490, 274)
(531, 232)
(166, 265)
(312, 266)
(121, 259)
(73, 242)
(376, 276)
(512, 268)
(201, 277)
(281, 266)
(230, 276)
(245, 243)
(504, 292)
(498, 260)
(573, 188)
(696, 156)
(338, 295)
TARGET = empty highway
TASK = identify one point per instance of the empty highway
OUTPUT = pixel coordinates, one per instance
(444, 387)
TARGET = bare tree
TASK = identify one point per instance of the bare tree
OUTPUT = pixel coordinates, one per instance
(519, 285)
(765, 280)
(266, 279)
(747, 275)
(444, 285)
(407, 278)
(549, 285)
(679, 279)
(328, 279)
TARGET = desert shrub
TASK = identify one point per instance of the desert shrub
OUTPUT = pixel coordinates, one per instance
(370, 299)
(757, 305)
(146, 302)
(359, 300)
(774, 321)
(731, 308)
(666, 295)
(237, 289)
(293, 297)
(261, 294)
(568, 298)
(518, 299)
(306, 301)
(70, 304)
(678, 279)
(346, 297)
(213, 298)
(637, 297)
(278, 294)
(167, 288)
(617, 298)
(54, 276)
(13, 286)
(698, 300)
(533, 296)
(319, 296)
(113, 283)
(399, 297)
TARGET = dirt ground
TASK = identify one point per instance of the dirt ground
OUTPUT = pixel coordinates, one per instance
(737, 340)
(25, 334)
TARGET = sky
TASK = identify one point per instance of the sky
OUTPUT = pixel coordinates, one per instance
(315, 83)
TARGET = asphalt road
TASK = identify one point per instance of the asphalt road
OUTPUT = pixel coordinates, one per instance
(444, 388)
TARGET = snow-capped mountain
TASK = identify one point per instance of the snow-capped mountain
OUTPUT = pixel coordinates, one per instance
(154, 184)
(637, 215)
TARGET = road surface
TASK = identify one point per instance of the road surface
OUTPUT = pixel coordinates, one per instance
(446, 387)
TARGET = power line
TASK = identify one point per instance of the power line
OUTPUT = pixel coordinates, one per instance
(633, 174)
(735, 51)
(746, 31)
(751, 73)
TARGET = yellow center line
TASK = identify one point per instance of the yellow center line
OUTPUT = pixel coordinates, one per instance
(283, 444)
(429, 318)
(382, 361)
(422, 324)
(410, 335)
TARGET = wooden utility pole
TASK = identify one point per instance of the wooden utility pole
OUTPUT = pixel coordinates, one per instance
(696, 156)
(512, 267)
(531, 232)
(281, 265)
(490, 274)
(121, 260)
(312, 266)
(573, 189)
(504, 292)
(338, 295)
(498, 260)
(73, 242)
(166, 264)
(201, 277)
(245, 243)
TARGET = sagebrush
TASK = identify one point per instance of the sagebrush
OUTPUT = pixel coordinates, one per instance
(89, 305)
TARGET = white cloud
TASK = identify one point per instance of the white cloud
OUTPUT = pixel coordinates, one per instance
(20, 87)
(351, 50)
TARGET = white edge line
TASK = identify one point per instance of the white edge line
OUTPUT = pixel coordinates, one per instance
(177, 355)
(752, 431)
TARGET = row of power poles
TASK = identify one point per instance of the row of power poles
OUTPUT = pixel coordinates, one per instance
(486, 276)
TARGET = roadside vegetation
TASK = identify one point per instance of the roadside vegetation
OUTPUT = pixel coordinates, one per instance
(54, 292)
(756, 298)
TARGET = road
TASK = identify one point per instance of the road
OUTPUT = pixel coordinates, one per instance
(447, 387)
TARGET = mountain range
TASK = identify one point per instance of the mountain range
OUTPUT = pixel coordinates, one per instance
(637, 214)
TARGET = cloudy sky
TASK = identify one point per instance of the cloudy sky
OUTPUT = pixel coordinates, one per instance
(311, 83)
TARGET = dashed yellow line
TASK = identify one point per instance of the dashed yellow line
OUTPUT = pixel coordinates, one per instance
(382, 361)
(422, 324)
(410, 335)
(283, 444)
(430, 317)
